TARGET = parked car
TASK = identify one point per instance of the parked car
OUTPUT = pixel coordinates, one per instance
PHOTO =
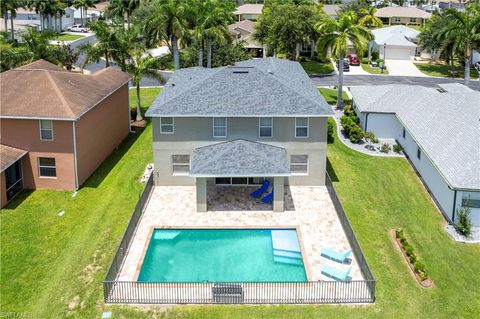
(353, 59)
(77, 28)
(346, 66)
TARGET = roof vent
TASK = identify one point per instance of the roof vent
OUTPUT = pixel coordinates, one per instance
(173, 84)
(441, 89)
(240, 71)
(270, 71)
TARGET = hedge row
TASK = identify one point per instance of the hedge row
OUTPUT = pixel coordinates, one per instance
(418, 265)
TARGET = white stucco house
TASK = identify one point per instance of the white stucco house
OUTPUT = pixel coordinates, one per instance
(29, 18)
(440, 133)
(395, 43)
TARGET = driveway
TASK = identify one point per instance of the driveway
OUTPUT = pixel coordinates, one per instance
(357, 70)
(403, 68)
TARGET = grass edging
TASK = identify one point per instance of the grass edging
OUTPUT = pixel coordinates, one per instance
(424, 283)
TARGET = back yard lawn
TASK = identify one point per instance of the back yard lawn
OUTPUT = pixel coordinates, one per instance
(53, 267)
(445, 71)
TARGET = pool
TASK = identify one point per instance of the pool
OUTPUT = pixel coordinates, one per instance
(223, 255)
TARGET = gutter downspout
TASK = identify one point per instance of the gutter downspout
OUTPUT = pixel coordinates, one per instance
(366, 121)
(75, 165)
(454, 204)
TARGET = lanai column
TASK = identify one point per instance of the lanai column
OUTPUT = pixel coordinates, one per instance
(278, 194)
(201, 194)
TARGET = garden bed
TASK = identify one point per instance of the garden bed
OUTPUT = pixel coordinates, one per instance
(425, 282)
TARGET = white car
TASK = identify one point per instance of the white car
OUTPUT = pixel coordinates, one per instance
(77, 28)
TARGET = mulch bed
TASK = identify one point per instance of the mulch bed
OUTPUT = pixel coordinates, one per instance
(138, 124)
(427, 283)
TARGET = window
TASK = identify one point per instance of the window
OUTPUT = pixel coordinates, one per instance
(397, 19)
(413, 20)
(403, 133)
(166, 125)
(180, 164)
(471, 199)
(419, 153)
(301, 127)
(299, 164)
(265, 126)
(46, 167)
(219, 127)
(46, 130)
(67, 15)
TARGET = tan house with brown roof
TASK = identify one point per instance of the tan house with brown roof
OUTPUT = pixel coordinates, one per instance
(402, 15)
(57, 127)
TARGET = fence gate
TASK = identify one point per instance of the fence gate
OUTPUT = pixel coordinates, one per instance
(227, 293)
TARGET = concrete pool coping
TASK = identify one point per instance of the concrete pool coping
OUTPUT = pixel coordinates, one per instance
(153, 228)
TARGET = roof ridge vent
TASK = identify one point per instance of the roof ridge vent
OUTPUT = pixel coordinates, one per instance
(441, 89)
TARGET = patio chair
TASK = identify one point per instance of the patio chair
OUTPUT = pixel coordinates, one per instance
(335, 273)
(335, 255)
(262, 190)
(269, 198)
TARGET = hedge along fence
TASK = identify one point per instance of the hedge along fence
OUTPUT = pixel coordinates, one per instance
(417, 266)
(350, 124)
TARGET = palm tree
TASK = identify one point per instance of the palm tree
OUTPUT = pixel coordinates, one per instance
(104, 47)
(369, 19)
(83, 5)
(219, 15)
(43, 8)
(463, 28)
(38, 43)
(168, 23)
(334, 36)
(11, 6)
(142, 64)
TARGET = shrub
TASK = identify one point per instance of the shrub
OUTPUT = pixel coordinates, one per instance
(330, 131)
(380, 61)
(375, 55)
(370, 137)
(464, 224)
(408, 249)
(365, 60)
(302, 59)
(399, 233)
(412, 258)
(420, 269)
(356, 133)
(397, 148)
(385, 148)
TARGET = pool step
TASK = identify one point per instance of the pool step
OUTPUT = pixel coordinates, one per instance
(165, 234)
(287, 253)
(287, 260)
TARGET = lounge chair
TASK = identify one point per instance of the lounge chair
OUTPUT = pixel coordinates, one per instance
(335, 273)
(263, 189)
(335, 255)
(269, 198)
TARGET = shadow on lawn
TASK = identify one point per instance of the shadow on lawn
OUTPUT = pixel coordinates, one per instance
(104, 169)
(331, 171)
(23, 195)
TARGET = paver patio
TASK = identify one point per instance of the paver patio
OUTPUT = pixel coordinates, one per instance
(308, 209)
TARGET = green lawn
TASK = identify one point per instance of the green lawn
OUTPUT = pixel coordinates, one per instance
(366, 67)
(50, 262)
(444, 70)
(67, 37)
(331, 95)
(317, 68)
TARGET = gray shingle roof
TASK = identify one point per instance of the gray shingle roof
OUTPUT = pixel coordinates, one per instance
(445, 125)
(260, 87)
(240, 158)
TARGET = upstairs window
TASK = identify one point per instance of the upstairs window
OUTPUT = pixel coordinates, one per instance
(47, 167)
(180, 164)
(46, 130)
(166, 125)
(265, 126)
(219, 127)
(301, 127)
(299, 164)
(403, 133)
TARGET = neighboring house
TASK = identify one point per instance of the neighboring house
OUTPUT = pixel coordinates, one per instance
(57, 127)
(242, 31)
(92, 15)
(402, 15)
(452, 4)
(332, 10)
(395, 42)
(248, 12)
(29, 18)
(237, 125)
(439, 131)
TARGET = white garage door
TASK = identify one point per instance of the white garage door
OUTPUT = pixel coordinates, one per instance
(397, 54)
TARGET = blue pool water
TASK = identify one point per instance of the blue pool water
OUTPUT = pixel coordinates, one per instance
(223, 255)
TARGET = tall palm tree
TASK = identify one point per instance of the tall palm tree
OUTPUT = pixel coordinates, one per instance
(105, 45)
(10, 6)
(83, 5)
(334, 36)
(463, 29)
(219, 15)
(369, 19)
(168, 22)
(142, 64)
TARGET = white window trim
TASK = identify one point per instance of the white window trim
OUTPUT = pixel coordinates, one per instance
(213, 126)
(39, 166)
(173, 125)
(181, 173)
(260, 127)
(293, 163)
(40, 130)
(308, 127)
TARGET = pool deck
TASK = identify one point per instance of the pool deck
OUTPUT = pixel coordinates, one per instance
(309, 210)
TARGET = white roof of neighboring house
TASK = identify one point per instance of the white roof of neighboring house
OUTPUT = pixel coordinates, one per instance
(406, 12)
(159, 52)
(397, 35)
(249, 9)
(246, 25)
(331, 9)
(28, 11)
(444, 124)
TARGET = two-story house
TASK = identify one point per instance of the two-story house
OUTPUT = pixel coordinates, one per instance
(29, 18)
(57, 127)
(238, 125)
